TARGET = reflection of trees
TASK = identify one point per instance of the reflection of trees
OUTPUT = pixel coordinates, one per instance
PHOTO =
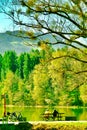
(35, 114)
(78, 112)
(83, 115)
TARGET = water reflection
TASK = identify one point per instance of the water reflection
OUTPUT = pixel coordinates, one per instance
(34, 113)
(77, 112)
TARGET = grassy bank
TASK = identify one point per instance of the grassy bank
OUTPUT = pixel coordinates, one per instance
(64, 125)
(45, 125)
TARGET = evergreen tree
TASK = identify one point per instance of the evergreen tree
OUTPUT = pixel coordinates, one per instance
(9, 62)
(27, 65)
(20, 66)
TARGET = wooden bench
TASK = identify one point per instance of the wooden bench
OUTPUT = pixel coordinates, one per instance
(59, 116)
(49, 116)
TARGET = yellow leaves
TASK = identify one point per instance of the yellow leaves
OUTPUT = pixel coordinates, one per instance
(28, 11)
(31, 2)
(36, 16)
(42, 45)
(70, 9)
(72, 38)
(42, 61)
(59, 53)
(38, 8)
(78, 31)
(30, 34)
(67, 6)
(54, 9)
(9, 79)
(8, 82)
(20, 85)
(77, 34)
(76, 1)
(39, 80)
(83, 93)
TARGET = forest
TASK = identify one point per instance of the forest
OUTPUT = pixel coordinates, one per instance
(44, 76)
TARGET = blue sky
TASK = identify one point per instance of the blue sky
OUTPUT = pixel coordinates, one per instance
(5, 23)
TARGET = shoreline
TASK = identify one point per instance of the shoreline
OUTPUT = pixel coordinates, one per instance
(42, 122)
(44, 125)
(37, 106)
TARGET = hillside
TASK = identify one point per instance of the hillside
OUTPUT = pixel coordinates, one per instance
(9, 42)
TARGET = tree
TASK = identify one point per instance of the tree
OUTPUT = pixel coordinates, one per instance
(9, 62)
(83, 94)
(35, 58)
(26, 67)
(10, 86)
(20, 66)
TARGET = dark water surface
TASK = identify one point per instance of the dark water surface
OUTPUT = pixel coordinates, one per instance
(35, 113)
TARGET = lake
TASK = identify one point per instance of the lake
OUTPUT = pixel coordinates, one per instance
(34, 113)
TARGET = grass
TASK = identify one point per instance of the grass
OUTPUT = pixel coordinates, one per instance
(46, 125)
(60, 125)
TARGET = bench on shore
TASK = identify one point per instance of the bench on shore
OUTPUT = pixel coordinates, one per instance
(57, 116)
(47, 116)
(50, 116)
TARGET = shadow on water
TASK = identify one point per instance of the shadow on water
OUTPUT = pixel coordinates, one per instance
(34, 113)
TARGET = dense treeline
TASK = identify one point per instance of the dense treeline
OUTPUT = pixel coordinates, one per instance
(38, 78)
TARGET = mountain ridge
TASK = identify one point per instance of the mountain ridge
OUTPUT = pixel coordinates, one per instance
(8, 41)
(11, 42)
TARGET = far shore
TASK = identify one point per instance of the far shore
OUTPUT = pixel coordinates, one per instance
(39, 106)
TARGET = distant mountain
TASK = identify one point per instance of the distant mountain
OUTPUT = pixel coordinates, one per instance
(10, 42)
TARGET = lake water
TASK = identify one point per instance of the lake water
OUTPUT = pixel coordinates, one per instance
(35, 113)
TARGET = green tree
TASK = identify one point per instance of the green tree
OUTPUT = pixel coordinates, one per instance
(40, 83)
(9, 62)
(10, 86)
(26, 66)
(57, 82)
(20, 66)
(35, 58)
(83, 93)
